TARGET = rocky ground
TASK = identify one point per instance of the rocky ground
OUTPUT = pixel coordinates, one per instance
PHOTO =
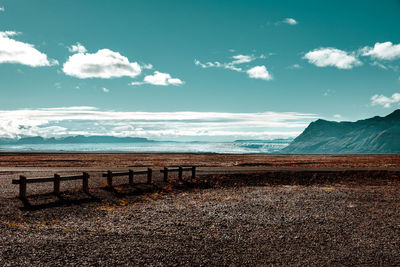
(218, 219)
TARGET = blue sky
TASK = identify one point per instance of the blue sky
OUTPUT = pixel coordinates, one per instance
(222, 62)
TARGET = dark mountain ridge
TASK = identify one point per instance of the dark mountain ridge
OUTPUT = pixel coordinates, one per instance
(374, 135)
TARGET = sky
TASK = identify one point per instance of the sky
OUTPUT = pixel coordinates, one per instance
(194, 70)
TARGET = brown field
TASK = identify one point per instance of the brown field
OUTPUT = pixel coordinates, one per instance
(240, 210)
(101, 160)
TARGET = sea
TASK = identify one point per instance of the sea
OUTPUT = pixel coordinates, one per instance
(235, 147)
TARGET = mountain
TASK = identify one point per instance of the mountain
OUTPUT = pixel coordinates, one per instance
(375, 135)
(79, 139)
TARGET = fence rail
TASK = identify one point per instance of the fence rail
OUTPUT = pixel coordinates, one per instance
(180, 170)
(131, 173)
(23, 181)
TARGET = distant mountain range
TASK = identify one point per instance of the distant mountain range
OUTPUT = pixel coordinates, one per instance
(79, 139)
(375, 135)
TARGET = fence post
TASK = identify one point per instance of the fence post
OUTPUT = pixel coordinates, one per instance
(22, 187)
(131, 173)
(149, 175)
(180, 173)
(109, 178)
(193, 172)
(85, 182)
(165, 174)
(56, 184)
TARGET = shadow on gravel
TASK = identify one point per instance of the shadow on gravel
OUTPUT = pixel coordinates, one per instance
(60, 202)
(123, 190)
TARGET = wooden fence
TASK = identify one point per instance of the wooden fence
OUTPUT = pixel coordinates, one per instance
(180, 171)
(23, 181)
(131, 173)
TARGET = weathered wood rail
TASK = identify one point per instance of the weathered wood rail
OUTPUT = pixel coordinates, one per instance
(131, 173)
(180, 171)
(23, 181)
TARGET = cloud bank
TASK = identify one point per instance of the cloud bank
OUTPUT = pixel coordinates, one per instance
(12, 51)
(58, 122)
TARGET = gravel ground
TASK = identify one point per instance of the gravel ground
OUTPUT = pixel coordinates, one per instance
(333, 224)
(237, 214)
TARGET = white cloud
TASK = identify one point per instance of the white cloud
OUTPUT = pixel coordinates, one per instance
(147, 66)
(324, 57)
(159, 78)
(12, 51)
(295, 66)
(337, 116)
(77, 48)
(240, 59)
(174, 81)
(215, 64)
(259, 72)
(103, 64)
(383, 51)
(233, 67)
(379, 65)
(57, 122)
(237, 60)
(136, 83)
(9, 33)
(105, 90)
(384, 100)
(385, 66)
(329, 92)
(2, 9)
(290, 21)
